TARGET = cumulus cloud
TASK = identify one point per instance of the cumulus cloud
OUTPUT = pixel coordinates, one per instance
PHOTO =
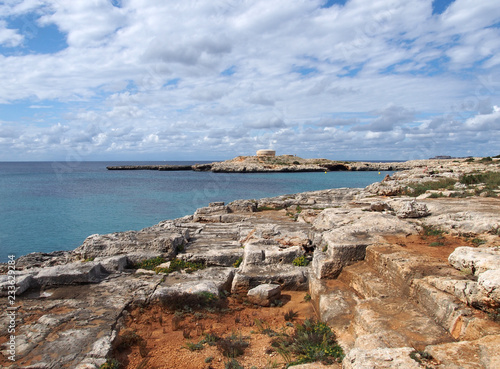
(9, 37)
(388, 119)
(214, 78)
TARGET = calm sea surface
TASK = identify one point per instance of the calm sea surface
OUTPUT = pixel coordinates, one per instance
(49, 206)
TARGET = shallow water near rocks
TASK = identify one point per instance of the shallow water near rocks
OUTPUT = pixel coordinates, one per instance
(49, 206)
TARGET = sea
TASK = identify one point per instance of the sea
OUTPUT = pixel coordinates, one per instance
(51, 206)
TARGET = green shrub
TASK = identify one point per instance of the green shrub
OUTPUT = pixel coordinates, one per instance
(300, 261)
(417, 189)
(490, 179)
(290, 315)
(150, 264)
(431, 231)
(237, 263)
(188, 302)
(477, 241)
(194, 346)
(233, 346)
(311, 341)
(110, 364)
(307, 297)
(178, 265)
(233, 364)
(434, 244)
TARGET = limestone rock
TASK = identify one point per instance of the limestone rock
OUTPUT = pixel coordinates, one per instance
(212, 280)
(153, 240)
(489, 288)
(380, 206)
(264, 294)
(23, 283)
(287, 276)
(73, 273)
(242, 206)
(477, 260)
(466, 222)
(412, 209)
(114, 263)
(380, 358)
(481, 353)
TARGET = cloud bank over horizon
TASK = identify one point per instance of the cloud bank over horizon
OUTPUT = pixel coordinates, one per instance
(210, 80)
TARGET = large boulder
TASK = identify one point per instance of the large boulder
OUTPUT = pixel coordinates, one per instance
(476, 260)
(163, 242)
(264, 294)
(412, 209)
(73, 273)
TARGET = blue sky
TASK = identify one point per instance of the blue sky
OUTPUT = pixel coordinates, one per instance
(210, 80)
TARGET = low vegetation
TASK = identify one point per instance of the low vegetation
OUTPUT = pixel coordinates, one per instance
(311, 341)
(150, 264)
(178, 265)
(193, 302)
(110, 364)
(233, 345)
(417, 189)
(300, 261)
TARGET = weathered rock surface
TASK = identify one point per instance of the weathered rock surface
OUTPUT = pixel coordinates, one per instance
(264, 294)
(380, 299)
(164, 239)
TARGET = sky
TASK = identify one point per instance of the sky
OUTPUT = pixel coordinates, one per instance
(214, 79)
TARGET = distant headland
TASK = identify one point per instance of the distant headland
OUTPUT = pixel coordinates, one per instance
(267, 161)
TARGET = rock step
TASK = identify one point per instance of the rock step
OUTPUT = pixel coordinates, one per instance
(463, 322)
(287, 276)
(391, 322)
(335, 302)
(481, 353)
(366, 281)
(399, 267)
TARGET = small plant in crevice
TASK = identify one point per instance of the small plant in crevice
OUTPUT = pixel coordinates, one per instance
(178, 265)
(477, 241)
(150, 264)
(307, 297)
(431, 231)
(111, 364)
(237, 263)
(421, 357)
(300, 261)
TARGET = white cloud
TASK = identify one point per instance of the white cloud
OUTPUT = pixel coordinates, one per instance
(152, 76)
(9, 37)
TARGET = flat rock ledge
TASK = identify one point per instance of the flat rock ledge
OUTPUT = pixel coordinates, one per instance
(390, 307)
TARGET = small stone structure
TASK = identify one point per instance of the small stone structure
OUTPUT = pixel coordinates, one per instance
(266, 152)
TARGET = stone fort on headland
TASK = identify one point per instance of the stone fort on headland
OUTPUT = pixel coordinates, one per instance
(266, 152)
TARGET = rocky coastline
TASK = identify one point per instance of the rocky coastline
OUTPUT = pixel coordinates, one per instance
(390, 303)
(289, 163)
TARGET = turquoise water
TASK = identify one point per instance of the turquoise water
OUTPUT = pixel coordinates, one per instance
(49, 206)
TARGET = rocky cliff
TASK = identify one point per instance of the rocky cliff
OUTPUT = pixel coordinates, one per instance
(405, 271)
(291, 163)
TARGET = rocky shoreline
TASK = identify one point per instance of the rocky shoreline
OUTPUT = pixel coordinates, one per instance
(349, 248)
(289, 163)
